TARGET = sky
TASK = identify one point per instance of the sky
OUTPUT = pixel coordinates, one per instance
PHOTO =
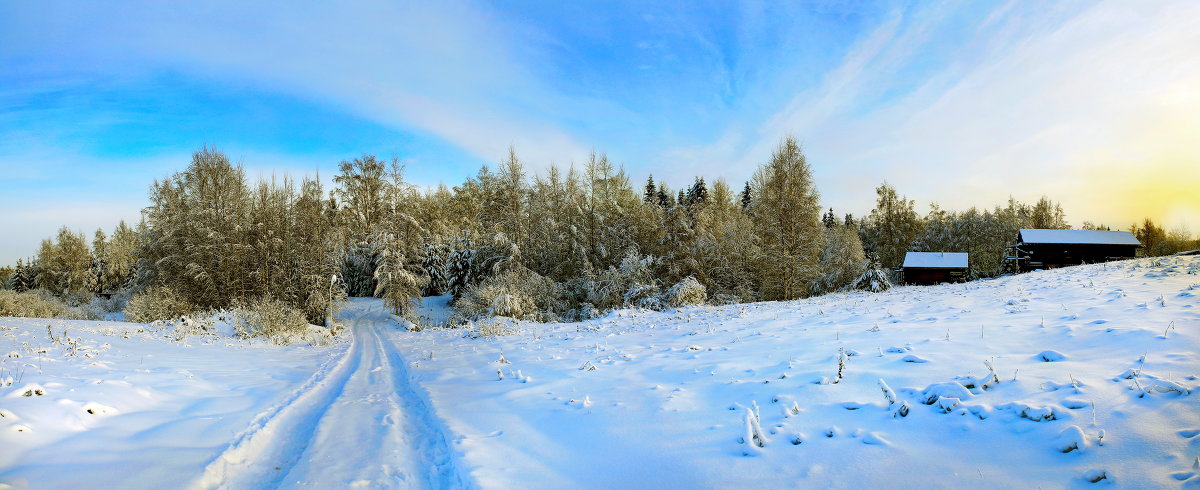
(1095, 104)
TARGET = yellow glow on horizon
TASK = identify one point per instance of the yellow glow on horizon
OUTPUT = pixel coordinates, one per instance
(1154, 171)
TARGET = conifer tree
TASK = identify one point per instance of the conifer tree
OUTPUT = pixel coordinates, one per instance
(398, 285)
(828, 219)
(664, 196)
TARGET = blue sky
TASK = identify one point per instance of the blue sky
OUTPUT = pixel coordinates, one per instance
(954, 102)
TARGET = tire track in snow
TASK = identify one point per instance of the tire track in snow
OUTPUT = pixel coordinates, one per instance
(277, 436)
(429, 433)
(293, 442)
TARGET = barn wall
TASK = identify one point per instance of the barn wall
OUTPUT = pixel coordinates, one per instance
(917, 275)
(1060, 255)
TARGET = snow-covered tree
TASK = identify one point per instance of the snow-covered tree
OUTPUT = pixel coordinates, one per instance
(842, 259)
(433, 265)
(891, 228)
(65, 265)
(787, 224)
(396, 281)
(875, 278)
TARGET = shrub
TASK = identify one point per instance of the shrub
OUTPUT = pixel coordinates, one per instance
(689, 291)
(520, 294)
(157, 303)
(631, 284)
(38, 303)
(273, 319)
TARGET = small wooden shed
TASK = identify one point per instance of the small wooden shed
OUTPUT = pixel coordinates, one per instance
(1047, 249)
(935, 267)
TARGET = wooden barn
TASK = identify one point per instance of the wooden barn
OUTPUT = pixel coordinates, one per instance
(935, 267)
(1047, 249)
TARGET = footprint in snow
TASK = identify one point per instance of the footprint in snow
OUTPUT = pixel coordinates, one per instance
(1096, 476)
(1189, 475)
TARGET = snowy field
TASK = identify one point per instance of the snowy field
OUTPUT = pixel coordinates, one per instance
(1095, 378)
(665, 399)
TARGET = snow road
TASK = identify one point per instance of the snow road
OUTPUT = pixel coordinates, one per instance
(142, 407)
(357, 422)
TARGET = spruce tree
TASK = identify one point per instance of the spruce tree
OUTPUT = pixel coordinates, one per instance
(828, 219)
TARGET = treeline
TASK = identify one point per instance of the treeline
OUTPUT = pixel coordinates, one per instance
(567, 244)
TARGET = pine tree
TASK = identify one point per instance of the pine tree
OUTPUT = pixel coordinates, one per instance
(99, 267)
(396, 283)
(434, 267)
(697, 195)
(874, 279)
(22, 278)
(461, 264)
(664, 196)
(828, 219)
(650, 195)
(747, 200)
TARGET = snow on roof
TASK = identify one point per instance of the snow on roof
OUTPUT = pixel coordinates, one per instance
(1088, 237)
(946, 260)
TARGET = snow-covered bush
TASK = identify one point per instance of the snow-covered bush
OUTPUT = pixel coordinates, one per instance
(630, 284)
(100, 305)
(38, 303)
(689, 291)
(271, 318)
(513, 305)
(520, 294)
(646, 296)
(157, 303)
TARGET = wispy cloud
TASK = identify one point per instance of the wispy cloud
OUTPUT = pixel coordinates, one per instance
(957, 103)
(1029, 106)
(444, 68)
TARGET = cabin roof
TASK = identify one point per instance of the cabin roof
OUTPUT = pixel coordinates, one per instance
(1077, 237)
(935, 260)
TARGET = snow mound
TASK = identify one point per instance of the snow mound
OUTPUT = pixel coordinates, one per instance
(1050, 356)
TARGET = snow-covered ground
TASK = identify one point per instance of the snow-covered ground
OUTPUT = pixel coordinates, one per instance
(1095, 379)
(665, 399)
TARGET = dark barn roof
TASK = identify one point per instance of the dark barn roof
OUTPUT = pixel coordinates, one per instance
(1076, 237)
